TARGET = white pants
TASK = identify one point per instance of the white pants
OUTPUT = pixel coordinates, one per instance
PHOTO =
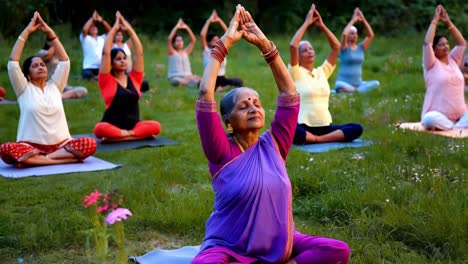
(435, 120)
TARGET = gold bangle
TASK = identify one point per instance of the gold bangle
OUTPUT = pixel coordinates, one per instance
(22, 39)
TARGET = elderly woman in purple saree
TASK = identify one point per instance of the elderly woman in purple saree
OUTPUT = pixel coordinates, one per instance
(252, 220)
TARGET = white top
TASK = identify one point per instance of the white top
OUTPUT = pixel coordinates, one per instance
(128, 52)
(206, 55)
(92, 50)
(179, 65)
(42, 118)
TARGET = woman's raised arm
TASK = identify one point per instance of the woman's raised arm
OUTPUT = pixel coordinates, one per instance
(429, 38)
(138, 60)
(294, 44)
(106, 64)
(332, 40)
(204, 30)
(253, 34)
(220, 50)
(192, 37)
(344, 34)
(101, 20)
(170, 48)
(369, 32)
(53, 40)
(17, 50)
(454, 32)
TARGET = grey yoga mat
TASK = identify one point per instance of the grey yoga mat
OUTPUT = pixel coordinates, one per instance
(89, 164)
(114, 146)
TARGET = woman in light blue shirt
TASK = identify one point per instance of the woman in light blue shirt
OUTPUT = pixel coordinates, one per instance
(352, 56)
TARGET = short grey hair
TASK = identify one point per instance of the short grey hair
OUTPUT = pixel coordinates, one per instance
(352, 29)
(302, 43)
(229, 100)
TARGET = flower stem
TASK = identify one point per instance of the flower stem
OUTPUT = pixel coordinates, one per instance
(120, 237)
(100, 235)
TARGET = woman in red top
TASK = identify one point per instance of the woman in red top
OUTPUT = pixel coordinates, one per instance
(121, 92)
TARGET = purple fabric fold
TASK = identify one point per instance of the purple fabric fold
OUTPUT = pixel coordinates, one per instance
(252, 216)
(253, 206)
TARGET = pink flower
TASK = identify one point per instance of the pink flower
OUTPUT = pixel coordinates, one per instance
(118, 214)
(91, 198)
(103, 208)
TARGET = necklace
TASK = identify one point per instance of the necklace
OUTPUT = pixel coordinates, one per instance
(238, 144)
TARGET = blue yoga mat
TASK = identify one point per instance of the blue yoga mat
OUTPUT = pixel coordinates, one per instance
(183, 255)
(324, 147)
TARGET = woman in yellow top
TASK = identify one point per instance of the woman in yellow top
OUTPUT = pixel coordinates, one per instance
(314, 121)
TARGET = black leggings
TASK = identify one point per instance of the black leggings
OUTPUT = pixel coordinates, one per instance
(223, 81)
(351, 131)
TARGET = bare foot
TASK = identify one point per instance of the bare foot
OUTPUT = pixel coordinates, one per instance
(222, 88)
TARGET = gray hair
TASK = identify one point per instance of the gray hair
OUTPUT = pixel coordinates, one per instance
(302, 43)
(229, 100)
(352, 29)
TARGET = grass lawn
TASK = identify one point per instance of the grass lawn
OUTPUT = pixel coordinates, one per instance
(401, 200)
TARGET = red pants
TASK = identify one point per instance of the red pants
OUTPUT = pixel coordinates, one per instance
(16, 152)
(147, 128)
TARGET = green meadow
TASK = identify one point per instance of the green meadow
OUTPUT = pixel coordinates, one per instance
(400, 200)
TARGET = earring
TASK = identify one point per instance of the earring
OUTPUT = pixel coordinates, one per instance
(229, 128)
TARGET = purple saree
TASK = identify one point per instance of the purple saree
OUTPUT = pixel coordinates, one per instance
(252, 218)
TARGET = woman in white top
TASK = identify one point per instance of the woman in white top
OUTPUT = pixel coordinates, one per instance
(43, 137)
(179, 70)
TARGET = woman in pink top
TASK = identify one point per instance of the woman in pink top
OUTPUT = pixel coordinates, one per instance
(444, 104)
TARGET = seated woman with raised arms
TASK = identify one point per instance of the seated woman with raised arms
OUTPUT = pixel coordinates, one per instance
(252, 219)
(43, 137)
(352, 56)
(444, 103)
(121, 92)
(315, 121)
